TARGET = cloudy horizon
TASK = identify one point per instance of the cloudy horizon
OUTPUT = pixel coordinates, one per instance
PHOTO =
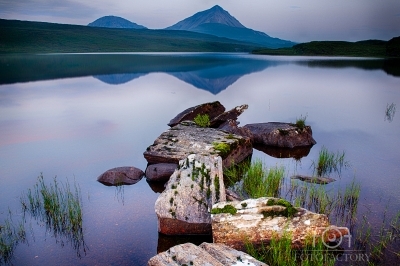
(298, 21)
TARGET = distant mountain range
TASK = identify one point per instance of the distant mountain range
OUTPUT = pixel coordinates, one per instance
(115, 22)
(214, 21)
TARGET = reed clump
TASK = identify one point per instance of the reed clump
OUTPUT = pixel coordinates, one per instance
(11, 234)
(261, 182)
(58, 206)
(329, 161)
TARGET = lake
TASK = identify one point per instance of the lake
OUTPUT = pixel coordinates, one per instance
(75, 116)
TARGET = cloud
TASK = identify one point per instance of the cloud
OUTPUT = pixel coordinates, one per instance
(37, 9)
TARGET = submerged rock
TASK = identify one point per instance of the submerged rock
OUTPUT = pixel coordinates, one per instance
(205, 254)
(260, 220)
(183, 139)
(281, 134)
(314, 179)
(183, 207)
(212, 109)
(160, 172)
(121, 176)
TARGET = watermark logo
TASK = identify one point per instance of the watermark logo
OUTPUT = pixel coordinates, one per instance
(332, 237)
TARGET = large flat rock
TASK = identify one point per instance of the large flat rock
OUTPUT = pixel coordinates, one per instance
(203, 255)
(260, 220)
(181, 140)
(286, 135)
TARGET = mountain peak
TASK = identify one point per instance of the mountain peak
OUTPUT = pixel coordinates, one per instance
(216, 14)
(115, 22)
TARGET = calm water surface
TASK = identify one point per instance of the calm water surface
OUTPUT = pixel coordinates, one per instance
(76, 116)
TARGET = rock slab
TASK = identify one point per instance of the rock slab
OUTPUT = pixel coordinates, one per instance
(205, 254)
(260, 220)
(183, 208)
(126, 175)
(184, 139)
(212, 109)
(285, 135)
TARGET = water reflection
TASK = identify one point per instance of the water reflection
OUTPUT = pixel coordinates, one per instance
(297, 153)
(390, 66)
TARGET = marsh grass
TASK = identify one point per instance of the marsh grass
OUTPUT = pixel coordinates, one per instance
(390, 111)
(261, 182)
(11, 234)
(329, 162)
(202, 120)
(58, 205)
(280, 252)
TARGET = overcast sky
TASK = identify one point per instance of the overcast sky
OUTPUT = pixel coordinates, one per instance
(295, 20)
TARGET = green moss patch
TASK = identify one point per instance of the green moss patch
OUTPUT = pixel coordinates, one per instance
(226, 209)
(288, 212)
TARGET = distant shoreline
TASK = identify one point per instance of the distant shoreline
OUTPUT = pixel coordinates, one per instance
(368, 48)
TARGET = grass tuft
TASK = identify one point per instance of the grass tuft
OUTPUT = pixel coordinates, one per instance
(260, 182)
(202, 120)
(329, 162)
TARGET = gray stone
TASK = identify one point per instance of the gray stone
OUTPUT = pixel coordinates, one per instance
(281, 134)
(121, 176)
(207, 254)
(260, 220)
(212, 109)
(184, 206)
(181, 140)
(314, 179)
(160, 172)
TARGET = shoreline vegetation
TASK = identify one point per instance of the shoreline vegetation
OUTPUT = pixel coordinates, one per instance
(43, 37)
(368, 48)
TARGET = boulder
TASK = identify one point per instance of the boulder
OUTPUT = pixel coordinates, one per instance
(183, 139)
(183, 207)
(231, 126)
(160, 172)
(212, 109)
(205, 254)
(231, 115)
(314, 179)
(260, 220)
(281, 134)
(126, 175)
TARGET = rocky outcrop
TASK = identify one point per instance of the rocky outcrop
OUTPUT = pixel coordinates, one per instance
(281, 134)
(229, 115)
(121, 176)
(183, 139)
(160, 172)
(212, 109)
(260, 220)
(183, 207)
(205, 254)
(314, 179)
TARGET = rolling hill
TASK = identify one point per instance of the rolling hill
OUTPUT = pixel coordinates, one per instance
(115, 22)
(41, 37)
